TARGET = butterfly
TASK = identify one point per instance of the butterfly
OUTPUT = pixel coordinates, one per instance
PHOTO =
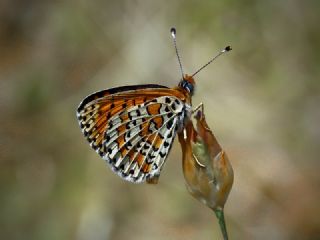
(133, 127)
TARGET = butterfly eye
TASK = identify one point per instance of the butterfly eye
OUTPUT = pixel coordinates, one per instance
(187, 86)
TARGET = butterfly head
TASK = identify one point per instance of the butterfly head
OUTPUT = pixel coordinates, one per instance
(188, 84)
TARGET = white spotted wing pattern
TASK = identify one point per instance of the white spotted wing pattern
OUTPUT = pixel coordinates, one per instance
(133, 128)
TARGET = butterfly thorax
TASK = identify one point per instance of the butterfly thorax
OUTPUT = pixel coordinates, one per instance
(188, 84)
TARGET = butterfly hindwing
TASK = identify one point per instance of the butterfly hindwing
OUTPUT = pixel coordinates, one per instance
(137, 148)
(133, 129)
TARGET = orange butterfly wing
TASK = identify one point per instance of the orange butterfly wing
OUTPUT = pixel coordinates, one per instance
(133, 127)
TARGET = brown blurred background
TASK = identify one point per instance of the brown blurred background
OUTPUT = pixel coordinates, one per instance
(262, 101)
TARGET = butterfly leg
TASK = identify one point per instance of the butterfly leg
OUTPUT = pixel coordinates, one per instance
(198, 111)
(198, 114)
(200, 106)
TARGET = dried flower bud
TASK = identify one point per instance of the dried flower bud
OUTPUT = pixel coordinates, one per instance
(206, 167)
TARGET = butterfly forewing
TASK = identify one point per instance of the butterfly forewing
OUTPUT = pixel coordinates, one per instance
(133, 127)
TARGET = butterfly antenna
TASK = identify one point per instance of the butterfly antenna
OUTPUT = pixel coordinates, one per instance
(173, 34)
(226, 49)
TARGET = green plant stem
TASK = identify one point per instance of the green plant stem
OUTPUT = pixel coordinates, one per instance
(220, 215)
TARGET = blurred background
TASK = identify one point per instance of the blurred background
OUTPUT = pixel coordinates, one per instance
(262, 102)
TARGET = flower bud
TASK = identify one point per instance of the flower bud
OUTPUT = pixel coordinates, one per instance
(206, 167)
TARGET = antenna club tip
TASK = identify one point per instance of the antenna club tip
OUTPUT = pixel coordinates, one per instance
(173, 31)
(228, 48)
